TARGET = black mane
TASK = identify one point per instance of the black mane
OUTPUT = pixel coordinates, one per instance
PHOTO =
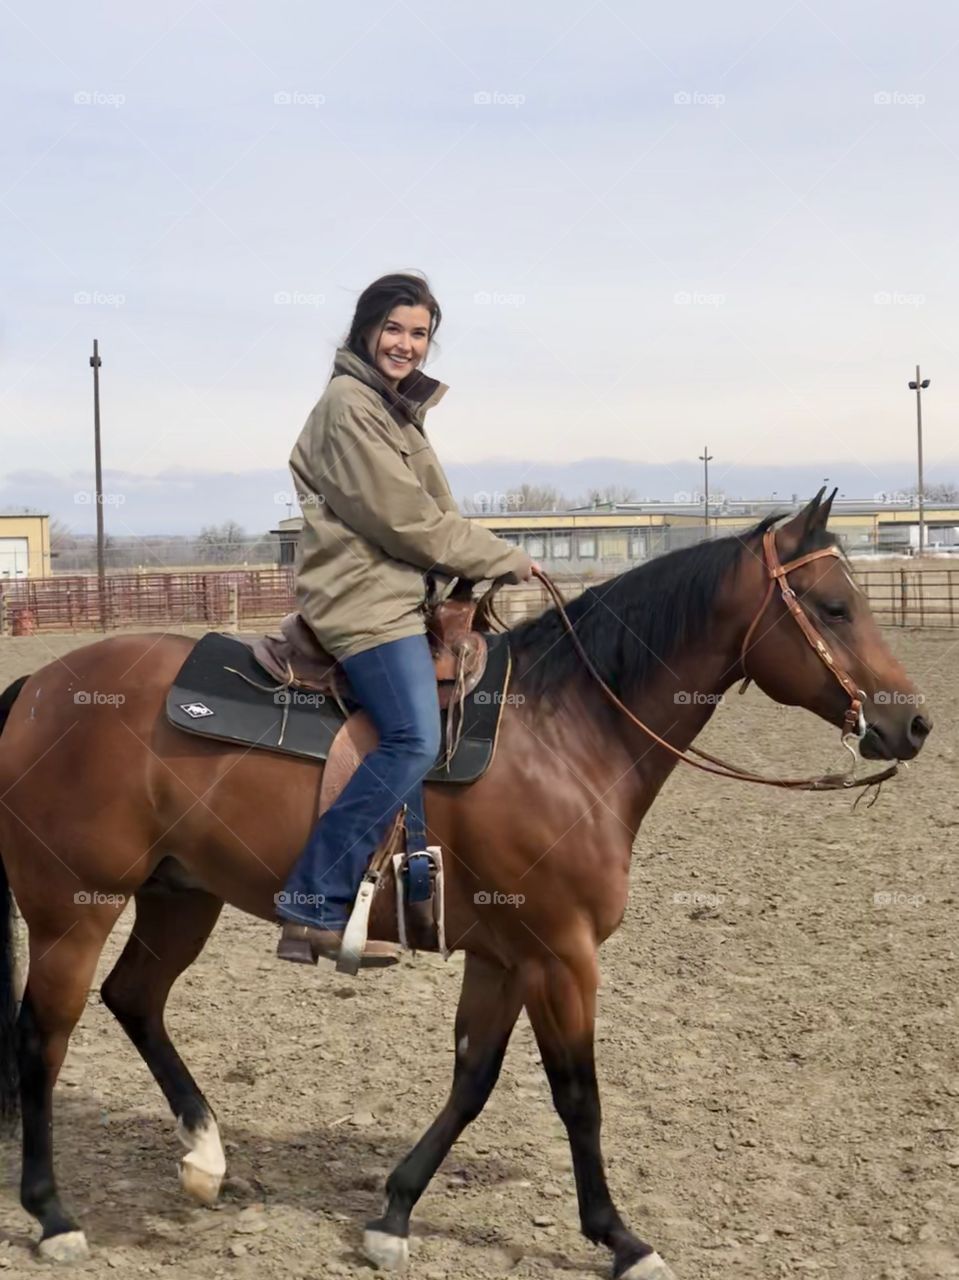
(633, 624)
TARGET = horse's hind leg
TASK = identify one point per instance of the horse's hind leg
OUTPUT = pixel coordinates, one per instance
(63, 959)
(169, 933)
(488, 1008)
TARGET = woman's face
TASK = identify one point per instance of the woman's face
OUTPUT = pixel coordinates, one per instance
(400, 345)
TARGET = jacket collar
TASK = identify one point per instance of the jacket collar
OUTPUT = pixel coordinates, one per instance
(411, 397)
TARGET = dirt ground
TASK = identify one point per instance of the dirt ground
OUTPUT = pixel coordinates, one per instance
(777, 1053)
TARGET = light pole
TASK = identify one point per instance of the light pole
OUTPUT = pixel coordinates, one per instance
(706, 458)
(95, 363)
(919, 386)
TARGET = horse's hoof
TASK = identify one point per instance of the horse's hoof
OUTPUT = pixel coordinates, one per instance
(389, 1253)
(66, 1248)
(651, 1267)
(199, 1183)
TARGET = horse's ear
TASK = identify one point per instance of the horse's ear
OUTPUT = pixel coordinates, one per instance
(813, 515)
(826, 508)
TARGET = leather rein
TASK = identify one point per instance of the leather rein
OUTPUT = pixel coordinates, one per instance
(854, 725)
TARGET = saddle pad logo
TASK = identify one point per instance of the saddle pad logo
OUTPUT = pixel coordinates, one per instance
(197, 710)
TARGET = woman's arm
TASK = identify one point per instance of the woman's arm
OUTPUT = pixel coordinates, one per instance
(363, 477)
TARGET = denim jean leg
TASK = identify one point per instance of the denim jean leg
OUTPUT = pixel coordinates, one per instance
(395, 683)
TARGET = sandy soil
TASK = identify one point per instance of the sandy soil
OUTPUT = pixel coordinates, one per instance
(777, 1052)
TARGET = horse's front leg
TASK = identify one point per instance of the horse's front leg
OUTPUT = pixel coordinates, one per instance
(560, 998)
(488, 1008)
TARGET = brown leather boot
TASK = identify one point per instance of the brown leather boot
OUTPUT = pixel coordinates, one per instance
(304, 944)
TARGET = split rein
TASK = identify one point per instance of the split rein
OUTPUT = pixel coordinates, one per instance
(853, 725)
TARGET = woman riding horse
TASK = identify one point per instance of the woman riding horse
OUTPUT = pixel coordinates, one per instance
(378, 515)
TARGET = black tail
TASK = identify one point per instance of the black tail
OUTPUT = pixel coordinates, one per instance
(9, 1082)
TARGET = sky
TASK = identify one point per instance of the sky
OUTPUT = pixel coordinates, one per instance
(649, 227)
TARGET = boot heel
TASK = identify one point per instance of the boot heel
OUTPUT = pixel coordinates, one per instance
(298, 950)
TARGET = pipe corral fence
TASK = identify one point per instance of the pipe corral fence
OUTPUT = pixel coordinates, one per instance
(914, 595)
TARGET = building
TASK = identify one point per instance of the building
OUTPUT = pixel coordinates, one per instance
(612, 537)
(24, 547)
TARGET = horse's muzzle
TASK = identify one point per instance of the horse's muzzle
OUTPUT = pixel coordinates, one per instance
(902, 741)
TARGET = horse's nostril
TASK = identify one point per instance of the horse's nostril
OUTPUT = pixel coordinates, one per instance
(919, 729)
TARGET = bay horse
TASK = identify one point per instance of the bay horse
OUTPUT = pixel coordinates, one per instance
(102, 800)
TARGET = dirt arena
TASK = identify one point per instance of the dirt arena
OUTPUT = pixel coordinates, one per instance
(777, 1053)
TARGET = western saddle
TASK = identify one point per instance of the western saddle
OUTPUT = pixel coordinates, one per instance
(294, 657)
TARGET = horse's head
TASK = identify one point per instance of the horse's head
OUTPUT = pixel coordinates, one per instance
(834, 654)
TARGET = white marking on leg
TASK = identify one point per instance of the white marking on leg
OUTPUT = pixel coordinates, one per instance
(67, 1247)
(203, 1167)
(389, 1253)
(463, 1047)
(651, 1267)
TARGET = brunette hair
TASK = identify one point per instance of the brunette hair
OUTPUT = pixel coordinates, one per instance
(377, 301)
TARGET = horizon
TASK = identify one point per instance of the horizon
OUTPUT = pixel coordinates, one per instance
(190, 501)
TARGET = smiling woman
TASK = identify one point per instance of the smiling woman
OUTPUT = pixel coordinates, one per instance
(378, 517)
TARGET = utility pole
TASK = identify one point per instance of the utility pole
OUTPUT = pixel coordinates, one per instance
(706, 458)
(919, 386)
(95, 363)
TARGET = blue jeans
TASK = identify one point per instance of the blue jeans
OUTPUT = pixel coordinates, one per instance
(395, 683)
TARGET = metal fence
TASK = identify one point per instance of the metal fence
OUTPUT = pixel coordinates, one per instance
(213, 598)
(903, 596)
(245, 599)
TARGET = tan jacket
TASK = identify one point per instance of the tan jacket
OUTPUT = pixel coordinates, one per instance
(378, 512)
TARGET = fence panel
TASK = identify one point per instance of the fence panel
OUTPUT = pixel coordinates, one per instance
(900, 596)
(908, 596)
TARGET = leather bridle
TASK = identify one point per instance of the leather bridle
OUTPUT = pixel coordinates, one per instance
(853, 723)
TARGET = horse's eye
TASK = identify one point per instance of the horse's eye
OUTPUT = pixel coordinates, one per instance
(834, 610)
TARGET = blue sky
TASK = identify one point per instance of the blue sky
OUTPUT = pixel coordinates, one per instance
(655, 226)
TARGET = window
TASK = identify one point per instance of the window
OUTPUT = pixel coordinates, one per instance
(561, 546)
(586, 546)
(536, 546)
(637, 546)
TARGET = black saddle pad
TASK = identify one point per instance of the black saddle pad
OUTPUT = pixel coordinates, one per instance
(209, 698)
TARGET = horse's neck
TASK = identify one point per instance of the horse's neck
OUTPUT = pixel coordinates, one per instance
(675, 705)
